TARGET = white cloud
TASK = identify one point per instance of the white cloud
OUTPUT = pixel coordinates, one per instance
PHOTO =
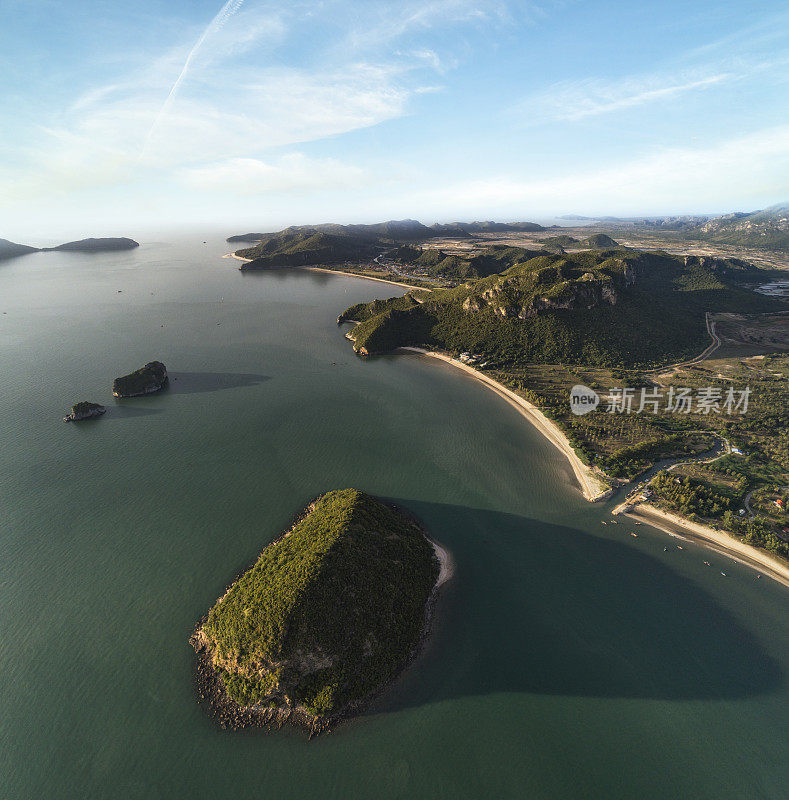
(291, 172)
(729, 174)
(574, 100)
(589, 97)
(100, 139)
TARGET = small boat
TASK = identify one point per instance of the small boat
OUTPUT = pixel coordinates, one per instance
(613, 522)
(638, 523)
(708, 563)
(604, 522)
(724, 574)
(665, 549)
(680, 547)
(758, 576)
(634, 535)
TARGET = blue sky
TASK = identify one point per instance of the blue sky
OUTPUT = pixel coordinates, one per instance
(118, 115)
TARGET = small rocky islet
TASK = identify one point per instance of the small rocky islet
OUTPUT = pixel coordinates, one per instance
(329, 613)
(148, 379)
(84, 410)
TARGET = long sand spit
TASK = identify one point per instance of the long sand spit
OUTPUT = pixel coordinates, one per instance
(339, 272)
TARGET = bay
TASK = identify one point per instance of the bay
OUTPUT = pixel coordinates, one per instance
(567, 658)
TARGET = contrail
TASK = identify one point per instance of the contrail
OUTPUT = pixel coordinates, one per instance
(227, 11)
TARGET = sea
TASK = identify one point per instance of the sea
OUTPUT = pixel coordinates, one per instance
(567, 659)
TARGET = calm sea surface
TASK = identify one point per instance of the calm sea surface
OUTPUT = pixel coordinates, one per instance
(569, 660)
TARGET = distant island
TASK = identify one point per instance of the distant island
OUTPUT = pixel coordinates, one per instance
(146, 380)
(84, 410)
(96, 245)
(329, 613)
(12, 249)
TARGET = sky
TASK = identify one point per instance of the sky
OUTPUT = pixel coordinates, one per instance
(256, 115)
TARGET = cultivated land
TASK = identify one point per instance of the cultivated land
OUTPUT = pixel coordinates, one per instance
(635, 306)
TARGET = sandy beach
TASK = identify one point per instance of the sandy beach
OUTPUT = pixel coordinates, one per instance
(339, 272)
(593, 486)
(719, 541)
(363, 277)
(447, 564)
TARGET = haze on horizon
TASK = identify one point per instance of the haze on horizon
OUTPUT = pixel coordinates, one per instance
(251, 113)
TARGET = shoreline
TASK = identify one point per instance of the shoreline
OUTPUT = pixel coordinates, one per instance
(339, 272)
(364, 277)
(593, 487)
(719, 542)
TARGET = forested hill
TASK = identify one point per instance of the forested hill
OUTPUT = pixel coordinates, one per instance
(403, 230)
(334, 244)
(603, 307)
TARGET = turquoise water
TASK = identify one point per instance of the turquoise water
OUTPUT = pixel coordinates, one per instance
(568, 659)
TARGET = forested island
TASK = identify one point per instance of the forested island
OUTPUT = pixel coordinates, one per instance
(329, 613)
(102, 245)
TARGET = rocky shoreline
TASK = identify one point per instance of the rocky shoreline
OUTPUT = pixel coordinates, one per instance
(84, 410)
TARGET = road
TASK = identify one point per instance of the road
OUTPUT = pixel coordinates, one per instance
(708, 351)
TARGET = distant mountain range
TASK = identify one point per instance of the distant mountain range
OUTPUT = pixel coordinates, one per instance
(767, 228)
(12, 249)
(403, 230)
(336, 244)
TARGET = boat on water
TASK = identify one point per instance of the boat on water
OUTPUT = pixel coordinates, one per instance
(635, 535)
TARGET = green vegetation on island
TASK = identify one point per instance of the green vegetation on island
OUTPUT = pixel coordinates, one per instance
(146, 380)
(329, 613)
